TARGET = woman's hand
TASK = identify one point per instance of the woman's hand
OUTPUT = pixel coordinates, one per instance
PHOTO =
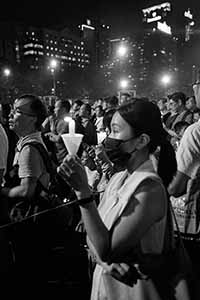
(73, 171)
(127, 274)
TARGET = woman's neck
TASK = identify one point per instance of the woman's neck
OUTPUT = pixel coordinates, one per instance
(136, 161)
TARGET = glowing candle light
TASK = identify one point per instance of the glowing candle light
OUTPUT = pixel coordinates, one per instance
(71, 125)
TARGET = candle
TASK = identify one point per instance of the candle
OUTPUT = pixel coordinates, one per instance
(71, 125)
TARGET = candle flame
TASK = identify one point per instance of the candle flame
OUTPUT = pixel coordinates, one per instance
(67, 119)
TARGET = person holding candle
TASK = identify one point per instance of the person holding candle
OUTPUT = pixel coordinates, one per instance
(131, 231)
(62, 125)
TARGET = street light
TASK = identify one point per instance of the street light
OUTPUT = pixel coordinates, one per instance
(53, 65)
(6, 72)
(166, 80)
(6, 75)
(123, 83)
(121, 51)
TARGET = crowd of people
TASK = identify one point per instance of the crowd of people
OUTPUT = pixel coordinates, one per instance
(118, 239)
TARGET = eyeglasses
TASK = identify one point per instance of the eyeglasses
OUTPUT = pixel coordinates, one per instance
(18, 111)
(172, 103)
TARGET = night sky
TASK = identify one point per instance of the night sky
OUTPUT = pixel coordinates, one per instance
(123, 16)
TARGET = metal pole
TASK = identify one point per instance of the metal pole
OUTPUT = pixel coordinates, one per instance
(54, 81)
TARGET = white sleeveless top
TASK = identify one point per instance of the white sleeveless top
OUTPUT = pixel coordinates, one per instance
(116, 197)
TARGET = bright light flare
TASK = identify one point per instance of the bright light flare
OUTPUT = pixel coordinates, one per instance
(7, 72)
(123, 83)
(121, 51)
(53, 63)
(166, 79)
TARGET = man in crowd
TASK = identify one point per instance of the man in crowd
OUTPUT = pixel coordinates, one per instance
(188, 170)
(179, 112)
(89, 129)
(25, 120)
(163, 106)
(75, 108)
(191, 104)
(61, 110)
(99, 112)
(124, 97)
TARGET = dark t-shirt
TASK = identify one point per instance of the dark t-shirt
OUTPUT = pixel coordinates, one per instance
(89, 131)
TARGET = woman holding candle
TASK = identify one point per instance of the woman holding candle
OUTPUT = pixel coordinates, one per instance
(131, 231)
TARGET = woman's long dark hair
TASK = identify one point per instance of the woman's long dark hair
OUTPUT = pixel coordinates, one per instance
(144, 117)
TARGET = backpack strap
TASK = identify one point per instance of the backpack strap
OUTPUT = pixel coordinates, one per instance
(45, 156)
(47, 162)
(56, 181)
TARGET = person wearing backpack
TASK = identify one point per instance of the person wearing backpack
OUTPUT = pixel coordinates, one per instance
(185, 192)
(25, 120)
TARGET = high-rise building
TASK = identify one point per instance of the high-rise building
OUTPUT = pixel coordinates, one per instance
(29, 50)
(38, 46)
(7, 43)
(187, 34)
(29, 47)
(171, 43)
(160, 48)
(124, 67)
(96, 36)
